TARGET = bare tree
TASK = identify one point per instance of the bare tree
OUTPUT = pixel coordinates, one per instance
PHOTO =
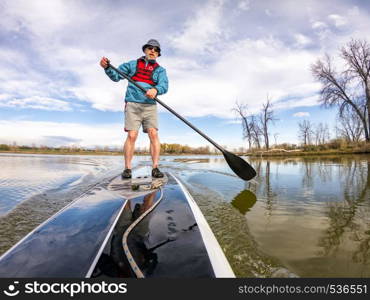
(349, 88)
(350, 126)
(267, 116)
(317, 133)
(321, 133)
(357, 57)
(255, 126)
(241, 111)
(305, 132)
(256, 131)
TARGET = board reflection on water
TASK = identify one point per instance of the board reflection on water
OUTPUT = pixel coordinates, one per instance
(113, 261)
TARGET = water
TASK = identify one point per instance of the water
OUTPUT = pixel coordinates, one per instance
(306, 217)
(23, 176)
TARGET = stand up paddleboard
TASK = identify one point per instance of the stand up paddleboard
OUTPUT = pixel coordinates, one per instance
(141, 227)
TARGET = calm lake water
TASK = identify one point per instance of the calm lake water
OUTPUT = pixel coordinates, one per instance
(307, 217)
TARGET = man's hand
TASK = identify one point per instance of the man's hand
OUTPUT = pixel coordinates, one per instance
(151, 93)
(104, 62)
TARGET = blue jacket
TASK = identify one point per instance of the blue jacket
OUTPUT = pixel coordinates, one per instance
(133, 94)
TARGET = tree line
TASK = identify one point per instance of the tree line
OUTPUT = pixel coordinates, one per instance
(165, 149)
(180, 149)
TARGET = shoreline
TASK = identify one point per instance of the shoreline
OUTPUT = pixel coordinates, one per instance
(309, 153)
(253, 154)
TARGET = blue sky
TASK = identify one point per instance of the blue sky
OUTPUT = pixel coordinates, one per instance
(53, 92)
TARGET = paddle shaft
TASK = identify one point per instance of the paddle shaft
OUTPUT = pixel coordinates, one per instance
(170, 109)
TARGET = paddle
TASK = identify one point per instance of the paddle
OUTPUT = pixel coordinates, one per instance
(241, 168)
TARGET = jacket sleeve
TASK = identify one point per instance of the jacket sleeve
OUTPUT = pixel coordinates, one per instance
(162, 85)
(125, 68)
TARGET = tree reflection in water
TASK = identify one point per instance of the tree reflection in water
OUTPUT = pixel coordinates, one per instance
(316, 213)
(348, 220)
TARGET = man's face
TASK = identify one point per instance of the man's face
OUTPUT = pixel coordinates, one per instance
(151, 52)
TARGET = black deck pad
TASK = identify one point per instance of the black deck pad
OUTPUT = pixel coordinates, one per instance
(67, 244)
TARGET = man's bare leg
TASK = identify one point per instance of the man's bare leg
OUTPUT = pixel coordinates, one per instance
(129, 147)
(155, 146)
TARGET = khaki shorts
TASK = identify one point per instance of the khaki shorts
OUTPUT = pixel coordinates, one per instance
(137, 114)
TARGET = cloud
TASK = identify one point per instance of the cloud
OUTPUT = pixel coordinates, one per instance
(25, 15)
(301, 114)
(57, 134)
(297, 101)
(202, 31)
(60, 133)
(338, 20)
(247, 71)
(244, 4)
(24, 85)
(302, 40)
(319, 25)
(231, 121)
(35, 102)
(62, 140)
(93, 85)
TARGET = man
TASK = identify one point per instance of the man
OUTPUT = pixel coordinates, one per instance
(140, 108)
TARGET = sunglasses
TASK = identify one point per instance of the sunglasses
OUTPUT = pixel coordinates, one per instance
(156, 49)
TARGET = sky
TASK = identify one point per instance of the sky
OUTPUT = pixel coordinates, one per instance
(53, 91)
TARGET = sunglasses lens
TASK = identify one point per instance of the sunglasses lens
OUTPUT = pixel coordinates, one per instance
(155, 48)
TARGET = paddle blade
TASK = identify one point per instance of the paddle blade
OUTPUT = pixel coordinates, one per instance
(239, 166)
